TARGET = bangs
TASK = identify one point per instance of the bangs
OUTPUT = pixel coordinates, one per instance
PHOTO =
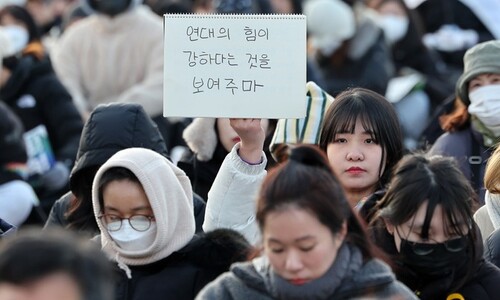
(455, 222)
(346, 123)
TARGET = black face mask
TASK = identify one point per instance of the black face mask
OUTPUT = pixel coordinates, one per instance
(110, 7)
(434, 260)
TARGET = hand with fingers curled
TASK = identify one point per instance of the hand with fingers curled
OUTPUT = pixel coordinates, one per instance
(252, 137)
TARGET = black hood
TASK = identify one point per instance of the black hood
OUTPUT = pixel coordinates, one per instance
(27, 67)
(111, 128)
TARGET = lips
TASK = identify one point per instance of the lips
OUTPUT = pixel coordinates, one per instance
(236, 139)
(355, 170)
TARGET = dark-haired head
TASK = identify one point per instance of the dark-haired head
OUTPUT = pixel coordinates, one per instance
(23, 18)
(380, 126)
(302, 188)
(56, 261)
(429, 201)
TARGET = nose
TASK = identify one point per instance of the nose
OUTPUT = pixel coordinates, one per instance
(354, 154)
(293, 262)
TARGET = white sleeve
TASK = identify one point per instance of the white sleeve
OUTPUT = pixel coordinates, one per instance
(232, 198)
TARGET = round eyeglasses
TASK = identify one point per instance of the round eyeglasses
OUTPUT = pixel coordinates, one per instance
(137, 222)
(453, 245)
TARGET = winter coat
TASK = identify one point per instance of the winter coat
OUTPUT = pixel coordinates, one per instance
(435, 13)
(250, 280)
(103, 59)
(184, 273)
(11, 143)
(492, 248)
(368, 63)
(459, 144)
(37, 97)
(231, 201)
(481, 285)
(100, 140)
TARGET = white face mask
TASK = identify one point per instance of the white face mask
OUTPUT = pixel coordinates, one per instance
(485, 105)
(132, 240)
(394, 27)
(18, 37)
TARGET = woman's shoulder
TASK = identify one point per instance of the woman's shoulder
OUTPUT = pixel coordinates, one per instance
(484, 283)
(242, 282)
(452, 142)
(376, 280)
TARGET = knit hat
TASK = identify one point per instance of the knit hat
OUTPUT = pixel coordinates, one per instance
(329, 23)
(483, 58)
(201, 138)
(169, 193)
(306, 130)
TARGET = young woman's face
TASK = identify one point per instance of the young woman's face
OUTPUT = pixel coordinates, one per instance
(439, 230)
(299, 247)
(483, 80)
(125, 198)
(355, 159)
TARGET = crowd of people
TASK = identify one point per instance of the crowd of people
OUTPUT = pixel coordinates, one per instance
(379, 192)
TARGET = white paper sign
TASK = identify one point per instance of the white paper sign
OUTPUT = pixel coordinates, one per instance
(240, 66)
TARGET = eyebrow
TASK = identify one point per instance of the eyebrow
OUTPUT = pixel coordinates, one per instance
(301, 239)
(135, 209)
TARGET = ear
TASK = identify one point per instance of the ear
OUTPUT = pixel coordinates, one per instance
(390, 227)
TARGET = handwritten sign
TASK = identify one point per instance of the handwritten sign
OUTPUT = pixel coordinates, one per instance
(239, 66)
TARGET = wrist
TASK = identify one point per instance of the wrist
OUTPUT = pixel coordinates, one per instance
(252, 160)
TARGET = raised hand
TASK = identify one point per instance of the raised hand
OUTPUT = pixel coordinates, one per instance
(252, 137)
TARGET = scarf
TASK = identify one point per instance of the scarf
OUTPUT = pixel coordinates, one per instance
(348, 261)
(492, 202)
(489, 139)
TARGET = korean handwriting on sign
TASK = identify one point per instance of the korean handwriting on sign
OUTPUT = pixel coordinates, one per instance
(258, 62)
(204, 58)
(251, 34)
(232, 85)
(203, 33)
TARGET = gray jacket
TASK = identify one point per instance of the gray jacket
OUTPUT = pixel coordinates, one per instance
(374, 280)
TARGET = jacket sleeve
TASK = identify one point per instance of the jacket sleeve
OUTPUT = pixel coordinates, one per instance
(56, 215)
(231, 200)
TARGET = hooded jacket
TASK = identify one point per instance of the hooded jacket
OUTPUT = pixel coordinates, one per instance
(103, 59)
(165, 268)
(35, 94)
(101, 138)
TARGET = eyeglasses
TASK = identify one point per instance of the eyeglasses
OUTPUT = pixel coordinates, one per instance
(454, 245)
(137, 222)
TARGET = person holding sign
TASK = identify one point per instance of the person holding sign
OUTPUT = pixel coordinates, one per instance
(359, 132)
(314, 246)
